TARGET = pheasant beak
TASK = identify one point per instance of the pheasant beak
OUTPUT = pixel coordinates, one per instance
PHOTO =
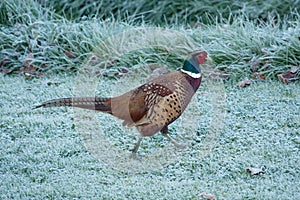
(209, 60)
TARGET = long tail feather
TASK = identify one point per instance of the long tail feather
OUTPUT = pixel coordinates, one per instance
(92, 103)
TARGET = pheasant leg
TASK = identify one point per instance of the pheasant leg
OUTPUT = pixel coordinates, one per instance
(136, 147)
(165, 131)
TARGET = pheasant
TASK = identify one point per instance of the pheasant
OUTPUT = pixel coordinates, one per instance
(150, 107)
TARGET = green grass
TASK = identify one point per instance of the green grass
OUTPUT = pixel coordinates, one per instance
(33, 35)
(45, 152)
(171, 11)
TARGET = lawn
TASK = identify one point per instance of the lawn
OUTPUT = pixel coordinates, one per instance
(55, 49)
(50, 154)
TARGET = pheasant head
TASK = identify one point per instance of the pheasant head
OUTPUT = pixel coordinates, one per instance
(191, 65)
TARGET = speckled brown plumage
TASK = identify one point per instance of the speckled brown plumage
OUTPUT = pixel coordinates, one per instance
(150, 107)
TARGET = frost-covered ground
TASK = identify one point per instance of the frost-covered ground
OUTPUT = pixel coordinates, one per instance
(44, 155)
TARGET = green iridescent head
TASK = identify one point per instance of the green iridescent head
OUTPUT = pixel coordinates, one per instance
(191, 65)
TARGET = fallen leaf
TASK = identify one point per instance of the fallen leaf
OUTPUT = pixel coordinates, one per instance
(259, 76)
(283, 79)
(287, 77)
(27, 62)
(294, 69)
(32, 75)
(124, 70)
(118, 74)
(255, 170)
(4, 61)
(6, 71)
(244, 83)
(69, 54)
(121, 72)
(28, 69)
(207, 196)
(28, 75)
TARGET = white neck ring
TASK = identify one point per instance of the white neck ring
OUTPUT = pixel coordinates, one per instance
(191, 74)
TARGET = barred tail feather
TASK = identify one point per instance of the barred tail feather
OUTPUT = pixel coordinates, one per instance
(92, 103)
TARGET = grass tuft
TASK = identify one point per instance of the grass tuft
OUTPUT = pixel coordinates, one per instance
(170, 11)
(35, 38)
(241, 48)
